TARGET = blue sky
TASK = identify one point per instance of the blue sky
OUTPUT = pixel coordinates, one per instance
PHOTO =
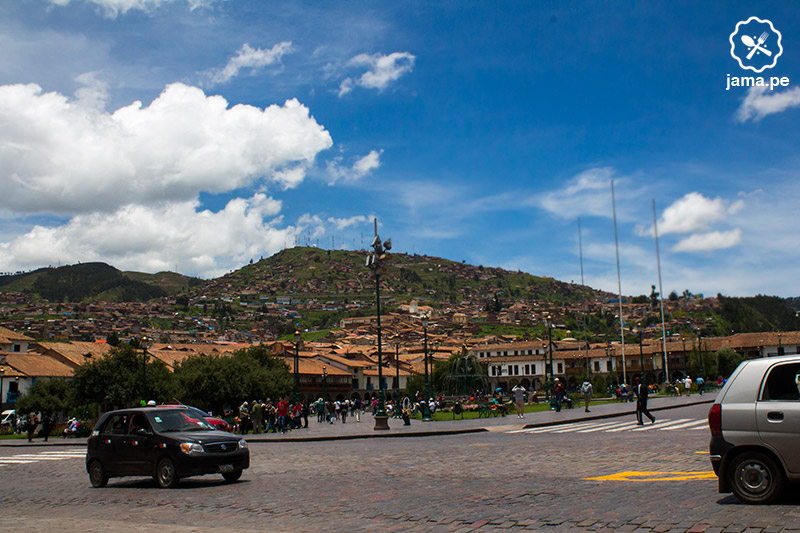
(198, 134)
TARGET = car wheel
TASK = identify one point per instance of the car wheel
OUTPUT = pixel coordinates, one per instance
(166, 475)
(755, 478)
(97, 475)
(230, 477)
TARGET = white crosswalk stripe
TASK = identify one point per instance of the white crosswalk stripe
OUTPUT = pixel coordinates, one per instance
(687, 424)
(49, 455)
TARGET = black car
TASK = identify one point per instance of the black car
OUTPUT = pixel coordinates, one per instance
(167, 442)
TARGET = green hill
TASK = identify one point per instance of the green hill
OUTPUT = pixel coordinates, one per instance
(305, 273)
(95, 281)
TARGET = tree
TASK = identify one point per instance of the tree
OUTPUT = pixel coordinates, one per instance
(215, 382)
(673, 296)
(46, 395)
(116, 381)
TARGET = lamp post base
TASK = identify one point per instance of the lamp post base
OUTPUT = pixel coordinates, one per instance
(381, 422)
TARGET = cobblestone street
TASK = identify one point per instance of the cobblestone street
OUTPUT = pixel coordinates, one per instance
(507, 479)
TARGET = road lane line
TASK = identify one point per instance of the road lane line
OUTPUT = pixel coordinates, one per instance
(702, 424)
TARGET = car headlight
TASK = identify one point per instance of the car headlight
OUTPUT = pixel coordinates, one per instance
(191, 448)
(242, 444)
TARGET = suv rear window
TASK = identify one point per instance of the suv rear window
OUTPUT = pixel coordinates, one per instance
(783, 383)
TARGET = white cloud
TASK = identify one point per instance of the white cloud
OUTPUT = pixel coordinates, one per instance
(344, 223)
(694, 212)
(252, 58)
(587, 193)
(63, 156)
(93, 94)
(153, 238)
(359, 170)
(706, 242)
(381, 71)
(761, 102)
(113, 8)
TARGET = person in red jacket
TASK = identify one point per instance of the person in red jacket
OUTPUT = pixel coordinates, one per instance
(283, 414)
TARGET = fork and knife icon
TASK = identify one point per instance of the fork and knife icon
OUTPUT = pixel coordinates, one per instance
(756, 46)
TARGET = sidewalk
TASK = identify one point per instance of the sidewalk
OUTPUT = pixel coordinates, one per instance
(361, 430)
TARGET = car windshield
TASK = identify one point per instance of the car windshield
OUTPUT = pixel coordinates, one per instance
(177, 420)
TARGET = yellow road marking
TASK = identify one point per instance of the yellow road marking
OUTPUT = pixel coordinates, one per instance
(654, 476)
(703, 452)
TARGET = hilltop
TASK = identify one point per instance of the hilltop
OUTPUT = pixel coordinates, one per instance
(95, 282)
(328, 275)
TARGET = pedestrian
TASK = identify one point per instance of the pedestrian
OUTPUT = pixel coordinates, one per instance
(33, 421)
(374, 406)
(343, 411)
(519, 399)
(642, 391)
(587, 393)
(687, 382)
(558, 393)
(306, 409)
(701, 385)
(258, 416)
(244, 418)
(47, 425)
(283, 414)
(357, 409)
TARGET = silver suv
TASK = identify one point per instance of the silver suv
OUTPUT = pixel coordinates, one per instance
(755, 429)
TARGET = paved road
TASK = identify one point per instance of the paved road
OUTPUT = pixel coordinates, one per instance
(653, 480)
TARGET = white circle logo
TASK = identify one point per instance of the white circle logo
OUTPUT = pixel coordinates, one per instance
(756, 44)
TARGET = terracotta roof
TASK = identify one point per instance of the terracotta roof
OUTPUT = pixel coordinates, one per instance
(38, 365)
(75, 353)
(8, 336)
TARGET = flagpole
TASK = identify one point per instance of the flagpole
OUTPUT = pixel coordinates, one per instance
(661, 297)
(585, 336)
(619, 286)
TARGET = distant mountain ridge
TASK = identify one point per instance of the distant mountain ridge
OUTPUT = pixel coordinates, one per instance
(95, 281)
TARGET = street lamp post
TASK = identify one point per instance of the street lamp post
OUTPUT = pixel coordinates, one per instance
(380, 252)
(700, 351)
(325, 383)
(397, 413)
(297, 339)
(641, 353)
(144, 370)
(550, 383)
(426, 409)
(2, 375)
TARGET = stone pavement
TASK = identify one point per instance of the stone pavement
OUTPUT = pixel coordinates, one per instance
(365, 429)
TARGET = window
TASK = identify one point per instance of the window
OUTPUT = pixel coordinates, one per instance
(560, 368)
(516, 370)
(533, 369)
(527, 369)
(17, 348)
(609, 366)
(597, 366)
(116, 425)
(783, 383)
(494, 370)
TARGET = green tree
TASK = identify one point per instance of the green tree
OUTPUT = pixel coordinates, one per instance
(116, 380)
(48, 396)
(727, 361)
(215, 382)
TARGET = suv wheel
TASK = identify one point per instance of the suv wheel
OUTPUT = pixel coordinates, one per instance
(166, 475)
(97, 475)
(755, 478)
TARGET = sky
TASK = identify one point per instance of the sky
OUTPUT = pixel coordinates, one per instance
(198, 135)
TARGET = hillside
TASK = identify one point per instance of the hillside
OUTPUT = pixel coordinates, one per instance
(305, 273)
(95, 281)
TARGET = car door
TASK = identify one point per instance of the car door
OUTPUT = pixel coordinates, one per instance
(137, 445)
(110, 448)
(778, 413)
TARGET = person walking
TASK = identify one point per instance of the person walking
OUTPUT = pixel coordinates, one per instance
(642, 392)
(587, 392)
(283, 414)
(357, 409)
(687, 382)
(558, 393)
(701, 384)
(258, 416)
(519, 399)
(33, 421)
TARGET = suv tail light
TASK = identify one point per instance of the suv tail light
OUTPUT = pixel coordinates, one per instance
(715, 420)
